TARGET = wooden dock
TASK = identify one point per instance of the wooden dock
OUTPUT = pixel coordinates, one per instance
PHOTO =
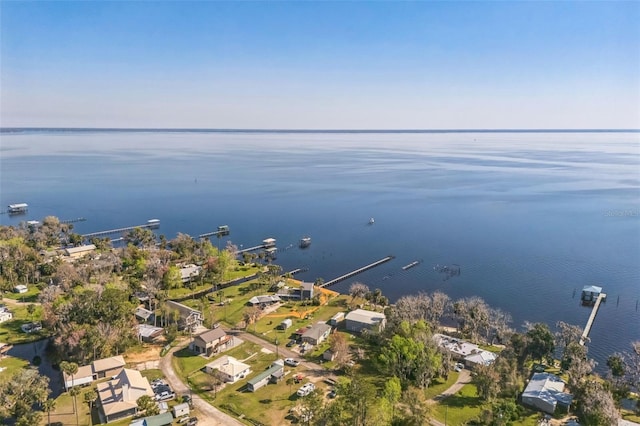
(357, 271)
(151, 225)
(592, 318)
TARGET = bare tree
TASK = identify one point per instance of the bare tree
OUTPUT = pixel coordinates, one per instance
(358, 289)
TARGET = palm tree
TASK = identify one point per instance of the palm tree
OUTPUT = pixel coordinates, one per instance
(70, 368)
(74, 392)
(90, 397)
(49, 405)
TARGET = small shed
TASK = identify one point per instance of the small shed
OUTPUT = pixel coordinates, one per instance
(339, 317)
(286, 324)
(20, 288)
(181, 410)
(164, 419)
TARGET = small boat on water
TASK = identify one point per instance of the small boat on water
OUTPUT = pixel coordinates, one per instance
(371, 221)
(410, 265)
(305, 242)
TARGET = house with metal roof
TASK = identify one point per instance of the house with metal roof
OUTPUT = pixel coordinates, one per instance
(264, 300)
(272, 375)
(361, 319)
(149, 333)
(80, 251)
(545, 391)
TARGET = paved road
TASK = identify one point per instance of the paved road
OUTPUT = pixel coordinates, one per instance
(208, 415)
(463, 378)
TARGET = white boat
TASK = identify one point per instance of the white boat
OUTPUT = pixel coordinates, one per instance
(371, 221)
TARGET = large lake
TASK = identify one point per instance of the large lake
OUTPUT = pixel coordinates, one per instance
(529, 217)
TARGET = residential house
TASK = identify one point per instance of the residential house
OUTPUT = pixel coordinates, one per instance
(78, 252)
(470, 354)
(361, 319)
(272, 375)
(189, 272)
(108, 367)
(317, 333)
(189, 318)
(83, 376)
(163, 419)
(229, 368)
(306, 291)
(118, 396)
(210, 342)
(264, 301)
(545, 391)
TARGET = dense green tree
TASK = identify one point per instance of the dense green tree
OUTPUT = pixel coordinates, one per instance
(540, 342)
(20, 393)
(148, 405)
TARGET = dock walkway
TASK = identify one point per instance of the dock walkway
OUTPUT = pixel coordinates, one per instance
(592, 318)
(150, 225)
(357, 271)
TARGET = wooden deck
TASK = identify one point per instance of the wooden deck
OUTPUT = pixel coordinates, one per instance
(592, 317)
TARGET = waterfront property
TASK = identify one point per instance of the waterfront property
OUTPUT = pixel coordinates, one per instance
(304, 292)
(84, 376)
(272, 375)
(545, 391)
(118, 396)
(229, 368)
(361, 319)
(468, 353)
(189, 318)
(210, 342)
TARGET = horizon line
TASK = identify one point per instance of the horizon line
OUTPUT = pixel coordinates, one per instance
(302, 130)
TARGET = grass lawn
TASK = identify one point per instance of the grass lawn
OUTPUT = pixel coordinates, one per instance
(10, 331)
(439, 385)
(152, 374)
(11, 366)
(460, 408)
(64, 414)
(30, 296)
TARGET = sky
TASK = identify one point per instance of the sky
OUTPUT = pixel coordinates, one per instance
(320, 65)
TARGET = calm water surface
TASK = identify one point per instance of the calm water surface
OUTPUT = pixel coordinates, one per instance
(529, 217)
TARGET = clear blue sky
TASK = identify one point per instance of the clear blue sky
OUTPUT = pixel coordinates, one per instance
(320, 65)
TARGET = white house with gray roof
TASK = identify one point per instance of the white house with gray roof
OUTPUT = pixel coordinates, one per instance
(545, 391)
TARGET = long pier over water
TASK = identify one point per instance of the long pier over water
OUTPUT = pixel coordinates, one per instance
(357, 271)
(151, 224)
(592, 318)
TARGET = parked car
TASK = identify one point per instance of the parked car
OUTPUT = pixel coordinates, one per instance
(292, 362)
(290, 343)
(459, 367)
(164, 396)
(306, 389)
(332, 393)
(193, 421)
